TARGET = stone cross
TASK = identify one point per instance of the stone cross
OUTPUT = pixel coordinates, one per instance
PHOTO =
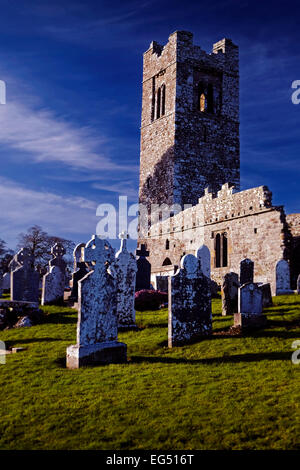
(246, 271)
(142, 252)
(97, 327)
(283, 282)
(230, 288)
(143, 275)
(189, 303)
(80, 270)
(24, 279)
(54, 280)
(250, 306)
(124, 271)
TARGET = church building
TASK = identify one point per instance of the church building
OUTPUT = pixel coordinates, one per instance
(190, 163)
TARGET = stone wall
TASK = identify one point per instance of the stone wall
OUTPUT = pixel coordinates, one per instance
(254, 229)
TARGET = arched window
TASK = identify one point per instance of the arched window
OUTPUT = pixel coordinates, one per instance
(202, 102)
(163, 100)
(153, 100)
(167, 244)
(221, 250)
(224, 249)
(167, 262)
(201, 98)
(218, 250)
(158, 103)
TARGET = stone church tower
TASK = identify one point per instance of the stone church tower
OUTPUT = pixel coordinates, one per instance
(190, 120)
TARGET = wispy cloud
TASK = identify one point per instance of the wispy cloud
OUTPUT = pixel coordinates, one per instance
(46, 137)
(125, 188)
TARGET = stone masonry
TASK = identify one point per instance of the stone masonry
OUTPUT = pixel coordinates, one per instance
(253, 227)
(190, 120)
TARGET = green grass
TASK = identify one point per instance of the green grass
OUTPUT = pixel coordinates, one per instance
(221, 393)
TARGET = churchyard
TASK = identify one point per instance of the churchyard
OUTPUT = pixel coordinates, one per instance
(222, 392)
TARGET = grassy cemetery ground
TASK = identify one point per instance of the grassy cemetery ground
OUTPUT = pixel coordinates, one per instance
(227, 392)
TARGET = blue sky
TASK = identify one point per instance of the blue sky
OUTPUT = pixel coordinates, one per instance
(69, 133)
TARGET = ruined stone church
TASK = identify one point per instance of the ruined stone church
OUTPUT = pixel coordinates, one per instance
(190, 158)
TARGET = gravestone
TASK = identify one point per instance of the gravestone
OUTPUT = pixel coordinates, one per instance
(203, 254)
(266, 293)
(250, 307)
(162, 283)
(97, 327)
(189, 303)
(230, 291)
(80, 270)
(246, 271)
(24, 279)
(298, 284)
(54, 280)
(143, 275)
(283, 281)
(124, 271)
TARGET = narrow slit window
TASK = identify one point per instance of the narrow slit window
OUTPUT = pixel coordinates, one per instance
(158, 103)
(163, 100)
(224, 250)
(202, 103)
(218, 250)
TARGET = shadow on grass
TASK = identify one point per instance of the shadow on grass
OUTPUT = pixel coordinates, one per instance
(249, 357)
(11, 343)
(59, 318)
(155, 325)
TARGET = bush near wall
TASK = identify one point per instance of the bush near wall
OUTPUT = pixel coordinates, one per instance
(150, 299)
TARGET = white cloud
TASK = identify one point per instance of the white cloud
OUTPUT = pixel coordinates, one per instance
(21, 208)
(44, 137)
(125, 188)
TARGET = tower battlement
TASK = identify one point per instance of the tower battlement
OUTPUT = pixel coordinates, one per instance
(190, 120)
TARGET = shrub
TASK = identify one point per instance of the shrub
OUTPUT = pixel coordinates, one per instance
(150, 299)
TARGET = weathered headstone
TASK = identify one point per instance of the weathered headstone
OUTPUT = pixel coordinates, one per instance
(246, 271)
(97, 327)
(283, 281)
(230, 290)
(203, 254)
(189, 303)
(298, 284)
(25, 279)
(162, 283)
(266, 293)
(250, 307)
(80, 270)
(143, 275)
(124, 271)
(54, 280)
